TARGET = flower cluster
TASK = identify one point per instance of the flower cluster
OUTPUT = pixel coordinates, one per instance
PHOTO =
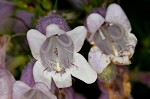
(55, 48)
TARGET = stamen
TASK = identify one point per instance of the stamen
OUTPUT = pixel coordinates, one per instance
(48, 62)
(55, 65)
(115, 50)
(58, 68)
(110, 39)
(102, 35)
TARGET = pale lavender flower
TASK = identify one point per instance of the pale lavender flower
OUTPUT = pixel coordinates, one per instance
(6, 83)
(111, 38)
(38, 91)
(16, 23)
(22, 21)
(5, 13)
(57, 57)
(27, 74)
(6, 78)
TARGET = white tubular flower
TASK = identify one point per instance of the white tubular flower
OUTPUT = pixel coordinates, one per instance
(38, 91)
(111, 38)
(57, 57)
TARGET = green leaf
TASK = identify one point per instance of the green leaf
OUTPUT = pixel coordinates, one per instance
(47, 4)
(21, 4)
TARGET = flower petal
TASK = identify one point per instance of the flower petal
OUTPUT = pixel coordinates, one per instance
(35, 40)
(78, 36)
(40, 74)
(34, 94)
(43, 88)
(53, 29)
(94, 21)
(130, 46)
(19, 88)
(120, 60)
(27, 74)
(6, 82)
(82, 70)
(132, 40)
(115, 14)
(98, 60)
(62, 80)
